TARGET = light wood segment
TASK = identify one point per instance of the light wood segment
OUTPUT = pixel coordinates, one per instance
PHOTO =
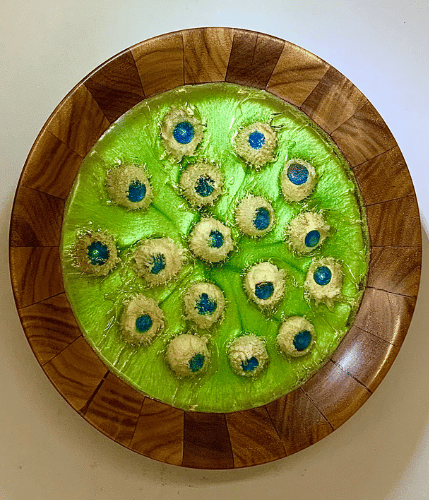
(76, 372)
(50, 327)
(207, 52)
(335, 393)
(36, 219)
(386, 315)
(78, 121)
(30, 268)
(365, 356)
(298, 422)
(333, 101)
(363, 136)
(159, 432)
(254, 439)
(206, 443)
(115, 410)
(296, 74)
(160, 63)
(116, 85)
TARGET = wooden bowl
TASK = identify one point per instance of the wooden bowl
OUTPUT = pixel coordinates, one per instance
(335, 393)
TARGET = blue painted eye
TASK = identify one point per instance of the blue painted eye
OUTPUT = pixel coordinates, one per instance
(183, 132)
(297, 173)
(141, 320)
(256, 140)
(262, 219)
(136, 191)
(188, 355)
(210, 240)
(312, 238)
(158, 263)
(204, 186)
(216, 239)
(264, 290)
(322, 275)
(248, 355)
(296, 336)
(196, 362)
(205, 305)
(302, 340)
(143, 323)
(98, 253)
(250, 364)
(254, 216)
(298, 179)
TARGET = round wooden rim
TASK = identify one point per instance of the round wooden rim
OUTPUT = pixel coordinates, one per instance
(335, 393)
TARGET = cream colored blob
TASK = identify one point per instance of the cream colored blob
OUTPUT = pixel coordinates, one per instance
(182, 349)
(294, 192)
(81, 253)
(118, 182)
(200, 240)
(241, 352)
(287, 332)
(190, 178)
(133, 309)
(192, 298)
(265, 272)
(330, 292)
(246, 213)
(301, 225)
(256, 157)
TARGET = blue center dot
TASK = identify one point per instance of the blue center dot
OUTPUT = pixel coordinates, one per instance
(262, 219)
(297, 174)
(136, 191)
(205, 305)
(98, 253)
(158, 263)
(196, 362)
(183, 132)
(312, 239)
(143, 323)
(322, 275)
(216, 239)
(204, 186)
(302, 340)
(264, 290)
(256, 140)
(250, 364)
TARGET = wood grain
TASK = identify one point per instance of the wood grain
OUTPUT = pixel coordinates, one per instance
(296, 74)
(115, 410)
(298, 422)
(207, 52)
(159, 432)
(253, 437)
(160, 63)
(116, 85)
(206, 443)
(50, 327)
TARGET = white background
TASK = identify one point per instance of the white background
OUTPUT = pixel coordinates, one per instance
(46, 450)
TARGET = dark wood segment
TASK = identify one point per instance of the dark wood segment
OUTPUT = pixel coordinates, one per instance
(77, 373)
(333, 101)
(254, 439)
(116, 86)
(298, 422)
(384, 178)
(160, 63)
(207, 52)
(253, 58)
(395, 223)
(159, 432)
(36, 219)
(36, 274)
(366, 357)
(51, 166)
(363, 136)
(335, 393)
(296, 74)
(115, 409)
(50, 327)
(395, 270)
(78, 121)
(206, 442)
(386, 315)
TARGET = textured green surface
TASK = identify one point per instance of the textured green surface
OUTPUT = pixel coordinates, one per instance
(97, 302)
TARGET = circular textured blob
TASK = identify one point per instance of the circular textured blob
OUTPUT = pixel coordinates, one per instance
(307, 231)
(254, 216)
(201, 183)
(265, 284)
(181, 131)
(141, 320)
(210, 240)
(248, 355)
(297, 179)
(324, 281)
(95, 253)
(296, 336)
(128, 185)
(158, 260)
(204, 304)
(256, 144)
(187, 355)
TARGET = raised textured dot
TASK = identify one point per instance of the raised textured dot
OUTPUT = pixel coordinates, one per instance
(204, 186)
(312, 238)
(158, 264)
(322, 275)
(302, 340)
(205, 305)
(143, 323)
(216, 239)
(262, 219)
(250, 364)
(256, 140)
(297, 174)
(98, 253)
(136, 191)
(264, 290)
(183, 132)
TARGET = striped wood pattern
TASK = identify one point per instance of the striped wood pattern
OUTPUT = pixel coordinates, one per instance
(327, 400)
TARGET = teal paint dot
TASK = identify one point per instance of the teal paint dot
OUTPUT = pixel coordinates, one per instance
(196, 362)
(143, 323)
(205, 305)
(256, 140)
(264, 290)
(297, 174)
(302, 340)
(158, 263)
(250, 364)
(262, 219)
(204, 186)
(216, 239)
(136, 191)
(183, 132)
(312, 239)
(322, 275)
(98, 253)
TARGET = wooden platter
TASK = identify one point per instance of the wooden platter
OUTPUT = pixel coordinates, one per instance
(344, 384)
